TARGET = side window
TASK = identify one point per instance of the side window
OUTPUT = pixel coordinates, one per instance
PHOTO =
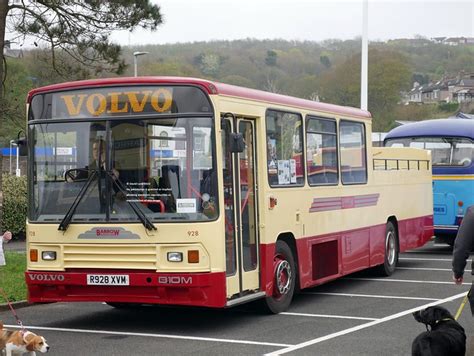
(353, 152)
(284, 149)
(321, 151)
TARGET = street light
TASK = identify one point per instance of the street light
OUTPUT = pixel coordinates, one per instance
(135, 55)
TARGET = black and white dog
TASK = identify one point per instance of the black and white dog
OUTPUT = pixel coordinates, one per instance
(444, 335)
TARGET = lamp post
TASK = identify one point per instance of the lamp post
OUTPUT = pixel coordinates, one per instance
(135, 55)
(365, 57)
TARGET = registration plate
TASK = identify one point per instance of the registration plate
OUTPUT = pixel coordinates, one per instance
(108, 279)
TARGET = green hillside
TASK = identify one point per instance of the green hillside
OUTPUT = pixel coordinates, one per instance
(328, 71)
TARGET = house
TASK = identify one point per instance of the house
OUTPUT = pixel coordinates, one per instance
(438, 39)
(9, 52)
(463, 90)
(464, 95)
(456, 41)
(459, 89)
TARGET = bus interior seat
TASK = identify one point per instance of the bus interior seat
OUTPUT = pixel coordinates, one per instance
(170, 180)
(194, 180)
(209, 182)
(318, 178)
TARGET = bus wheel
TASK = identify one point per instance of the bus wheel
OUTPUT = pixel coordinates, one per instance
(391, 251)
(284, 279)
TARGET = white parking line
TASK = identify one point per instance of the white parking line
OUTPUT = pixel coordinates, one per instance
(403, 281)
(363, 326)
(427, 259)
(370, 296)
(165, 336)
(328, 316)
(431, 269)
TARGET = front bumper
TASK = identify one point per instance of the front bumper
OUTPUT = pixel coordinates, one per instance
(149, 287)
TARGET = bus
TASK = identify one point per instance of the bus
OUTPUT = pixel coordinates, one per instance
(183, 191)
(451, 142)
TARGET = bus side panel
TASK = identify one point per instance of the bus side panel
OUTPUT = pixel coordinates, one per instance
(319, 259)
(327, 257)
(447, 193)
(415, 232)
(266, 268)
(377, 244)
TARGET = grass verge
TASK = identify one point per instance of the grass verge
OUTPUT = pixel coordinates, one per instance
(12, 277)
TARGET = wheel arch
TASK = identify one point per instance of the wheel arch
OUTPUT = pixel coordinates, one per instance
(394, 221)
(290, 240)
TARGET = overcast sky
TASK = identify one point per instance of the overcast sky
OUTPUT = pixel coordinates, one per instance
(316, 20)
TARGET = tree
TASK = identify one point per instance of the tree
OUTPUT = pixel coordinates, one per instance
(17, 83)
(79, 28)
(325, 61)
(271, 58)
(388, 75)
(210, 64)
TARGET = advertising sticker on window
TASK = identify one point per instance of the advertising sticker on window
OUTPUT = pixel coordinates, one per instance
(283, 171)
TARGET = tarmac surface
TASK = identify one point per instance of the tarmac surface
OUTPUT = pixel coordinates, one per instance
(360, 314)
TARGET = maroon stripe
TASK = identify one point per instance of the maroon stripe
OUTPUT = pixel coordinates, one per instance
(346, 202)
(326, 204)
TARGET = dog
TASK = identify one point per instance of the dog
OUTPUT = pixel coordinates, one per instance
(21, 342)
(444, 335)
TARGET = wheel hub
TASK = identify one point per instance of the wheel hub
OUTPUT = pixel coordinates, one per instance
(390, 248)
(283, 277)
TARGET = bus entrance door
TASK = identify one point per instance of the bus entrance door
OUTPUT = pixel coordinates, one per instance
(240, 205)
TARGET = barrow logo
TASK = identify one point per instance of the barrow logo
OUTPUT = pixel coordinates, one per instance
(175, 280)
(109, 233)
(47, 277)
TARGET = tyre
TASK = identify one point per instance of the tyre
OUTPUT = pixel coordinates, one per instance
(391, 251)
(284, 279)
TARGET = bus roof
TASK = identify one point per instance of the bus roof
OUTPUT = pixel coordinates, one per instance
(435, 128)
(211, 88)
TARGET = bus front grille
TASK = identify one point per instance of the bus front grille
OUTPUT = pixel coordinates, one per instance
(111, 256)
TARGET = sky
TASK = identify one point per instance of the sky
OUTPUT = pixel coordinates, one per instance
(314, 20)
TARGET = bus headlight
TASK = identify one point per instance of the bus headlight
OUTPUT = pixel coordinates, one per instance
(48, 255)
(175, 257)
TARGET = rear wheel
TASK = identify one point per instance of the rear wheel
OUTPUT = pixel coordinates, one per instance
(391, 251)
(284, 279)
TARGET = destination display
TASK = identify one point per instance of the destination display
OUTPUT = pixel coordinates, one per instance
(118, 101)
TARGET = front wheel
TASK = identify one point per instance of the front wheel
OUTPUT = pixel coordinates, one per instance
(284, 279)
(391, 251)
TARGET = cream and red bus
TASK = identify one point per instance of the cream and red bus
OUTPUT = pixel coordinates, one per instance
(182, 191)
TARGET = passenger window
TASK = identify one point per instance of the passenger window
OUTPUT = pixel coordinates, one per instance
(284, 149)
(353, 152)
(321, 151)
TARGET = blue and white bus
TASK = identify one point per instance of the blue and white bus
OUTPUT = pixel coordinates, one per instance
(451, 142)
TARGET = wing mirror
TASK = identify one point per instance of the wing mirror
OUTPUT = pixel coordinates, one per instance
(22, 144)
(76, 175)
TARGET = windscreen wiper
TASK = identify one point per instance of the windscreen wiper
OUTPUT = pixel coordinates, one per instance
(68, 217)
(135, 207)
